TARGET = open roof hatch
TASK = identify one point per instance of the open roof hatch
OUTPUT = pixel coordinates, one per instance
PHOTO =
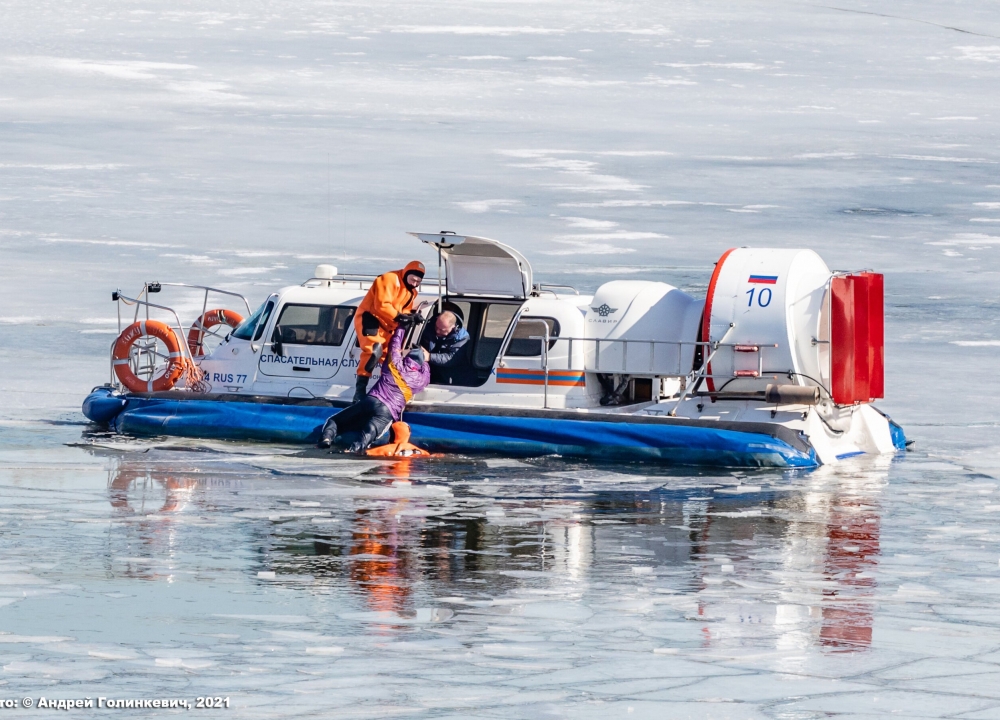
(480, 267)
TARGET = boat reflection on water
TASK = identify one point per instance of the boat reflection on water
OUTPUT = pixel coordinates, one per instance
(146, 502)
(790, 564)
(128, 482)
(851, 558)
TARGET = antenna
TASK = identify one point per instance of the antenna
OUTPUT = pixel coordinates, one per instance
(329, 227)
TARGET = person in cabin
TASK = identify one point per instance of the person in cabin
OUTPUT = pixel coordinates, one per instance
(361, 424)
(445, 340)
(387, 305)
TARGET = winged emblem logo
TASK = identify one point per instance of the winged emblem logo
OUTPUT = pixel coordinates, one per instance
(604, 310)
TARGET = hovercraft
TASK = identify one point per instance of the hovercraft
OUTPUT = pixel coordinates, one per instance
(777, 367)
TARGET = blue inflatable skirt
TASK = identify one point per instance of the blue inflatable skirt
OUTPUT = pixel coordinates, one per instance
(466, 430)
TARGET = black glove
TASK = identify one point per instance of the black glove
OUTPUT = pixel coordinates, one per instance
(407, 320)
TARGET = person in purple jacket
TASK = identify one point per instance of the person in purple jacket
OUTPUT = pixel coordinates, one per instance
(362, 423)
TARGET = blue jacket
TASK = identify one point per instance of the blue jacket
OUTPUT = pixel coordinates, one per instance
(445, 352)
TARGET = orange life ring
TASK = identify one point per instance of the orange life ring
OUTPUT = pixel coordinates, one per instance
(176, 362)
(211, 318)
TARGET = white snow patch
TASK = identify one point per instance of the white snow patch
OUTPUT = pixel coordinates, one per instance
(482, 206)
(42, 639)
(968, 239)
(617, 235)
(733, 66)
(22, 320)
(590, 223)
(475, 30)
(249, 271)
(197, 259)
(119, 69)
(657, 80)
(62, 166)
(980, 53)
(944, 159)
(563, 81)
(583, 248)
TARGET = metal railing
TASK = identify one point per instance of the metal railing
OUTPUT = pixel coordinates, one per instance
(139, 302)
(545, 355)
(204, 304)
(624, 342)
(142, 301)
(360, 279)
(689, 380)
(539, 287)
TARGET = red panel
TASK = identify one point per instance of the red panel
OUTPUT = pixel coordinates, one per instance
(862, 348)
(842, 340)
(857, 338)
(876, 334)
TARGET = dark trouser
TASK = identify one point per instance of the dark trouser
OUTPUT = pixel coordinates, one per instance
(361, 424)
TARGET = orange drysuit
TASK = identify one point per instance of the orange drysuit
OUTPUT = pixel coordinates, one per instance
(387, 298)
(400, 445)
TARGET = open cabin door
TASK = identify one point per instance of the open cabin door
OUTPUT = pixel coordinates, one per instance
(487, 282)
(480, 268)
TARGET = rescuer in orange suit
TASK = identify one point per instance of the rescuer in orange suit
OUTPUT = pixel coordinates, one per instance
(388, 304)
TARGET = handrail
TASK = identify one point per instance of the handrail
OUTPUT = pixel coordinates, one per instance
(745, 347)
(204, 306)
(154, 287)
(356, 278)
(547, 286)
(208, 288)
(691, 379)
(694, 378)
(135, 301)
(545, 355)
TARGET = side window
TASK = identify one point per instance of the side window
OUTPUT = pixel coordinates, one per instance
(495, 323)
(521, 344)
(313, 324)
(464, 310)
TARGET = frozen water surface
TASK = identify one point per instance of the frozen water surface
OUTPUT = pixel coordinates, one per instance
(240, 144)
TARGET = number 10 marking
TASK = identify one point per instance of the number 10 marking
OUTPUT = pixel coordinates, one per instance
(762, 301)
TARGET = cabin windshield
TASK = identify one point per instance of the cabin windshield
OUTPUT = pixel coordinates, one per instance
(244, 330)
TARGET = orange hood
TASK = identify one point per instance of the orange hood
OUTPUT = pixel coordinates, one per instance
(413, 266)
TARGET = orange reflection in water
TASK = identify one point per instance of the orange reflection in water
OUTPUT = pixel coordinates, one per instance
(376, 566)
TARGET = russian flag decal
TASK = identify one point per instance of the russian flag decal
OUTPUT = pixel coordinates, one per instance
(763, 279)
